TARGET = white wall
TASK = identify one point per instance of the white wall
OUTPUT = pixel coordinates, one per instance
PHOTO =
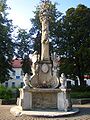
(88, 82)
(17, 78)
(73, 82)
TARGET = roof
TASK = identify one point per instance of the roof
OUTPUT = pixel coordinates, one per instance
(16, 63)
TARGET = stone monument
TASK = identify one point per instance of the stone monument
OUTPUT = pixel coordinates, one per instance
(45, 93)
(44, 74)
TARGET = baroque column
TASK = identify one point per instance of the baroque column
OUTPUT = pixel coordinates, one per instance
(44, 19)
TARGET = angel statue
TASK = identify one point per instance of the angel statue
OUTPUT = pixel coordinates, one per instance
(63, 81)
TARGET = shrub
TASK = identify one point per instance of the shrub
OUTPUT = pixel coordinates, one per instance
(8, 93)
(80, 89)
(2, 92)
(80, 94)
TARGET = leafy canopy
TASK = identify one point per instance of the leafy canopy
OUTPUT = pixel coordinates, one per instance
(6, 44)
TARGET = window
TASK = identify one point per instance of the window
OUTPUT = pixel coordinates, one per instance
(6, 84)
(13, 84)
(17, 77)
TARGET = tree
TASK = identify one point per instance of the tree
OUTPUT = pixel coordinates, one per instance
(6, 44)
(26, 65)
(37, 43)
(74, 44)
(23, 43)
(24, 49)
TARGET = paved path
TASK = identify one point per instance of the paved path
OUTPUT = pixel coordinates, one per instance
(83, 115)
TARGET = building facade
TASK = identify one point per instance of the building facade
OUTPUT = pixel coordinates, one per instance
(16, 75)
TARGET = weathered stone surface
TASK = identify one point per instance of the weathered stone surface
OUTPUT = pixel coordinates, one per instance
(44, 100)
(37, 98)
(25, 100)
(44, 79)
(44, 18)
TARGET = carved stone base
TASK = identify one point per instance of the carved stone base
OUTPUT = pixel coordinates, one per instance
(43, 99)
(44, 78)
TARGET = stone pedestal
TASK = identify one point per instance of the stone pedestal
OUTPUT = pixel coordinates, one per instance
(43, 99)
(64, 101)
(25, 100)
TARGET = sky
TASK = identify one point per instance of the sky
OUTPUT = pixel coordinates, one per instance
(22, 10)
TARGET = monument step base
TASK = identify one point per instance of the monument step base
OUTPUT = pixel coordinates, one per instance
(16, 111)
